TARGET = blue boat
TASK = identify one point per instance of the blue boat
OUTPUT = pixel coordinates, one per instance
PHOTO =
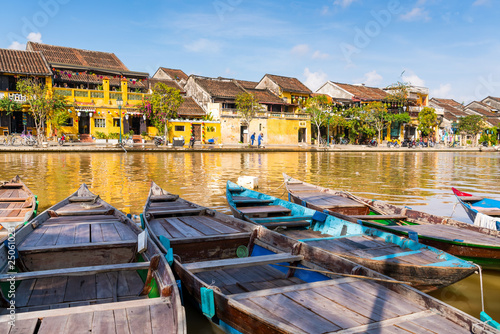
(250, 279)
(427, 268)
(484, 212)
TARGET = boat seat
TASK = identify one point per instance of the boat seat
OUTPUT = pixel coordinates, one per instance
(14, 199)
(297, 223)
(487, 211)
(77, 199)
(163, 198)
(77, 271)
(12, 185)
(264, 211)
(165, 211)
(281, 219)
(470, 198)
(379, 217)
(250, 200)
(197, 267)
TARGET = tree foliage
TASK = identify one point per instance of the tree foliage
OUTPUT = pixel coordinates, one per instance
(247, 106)
(471, 125)
(398, 93)
(9, 106)
(427, 121)
(43, 104)
(162, 106)
(319, 109)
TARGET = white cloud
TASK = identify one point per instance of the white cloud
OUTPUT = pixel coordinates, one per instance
(17, 46)
(35, 37)
(443, 91)
(343, 3)
(202, 45)
(300, 49)
(32, 37)
(319, 55)
(314, 80)
(372, 78)
(416, 14)
(413, 79)
(325, 10)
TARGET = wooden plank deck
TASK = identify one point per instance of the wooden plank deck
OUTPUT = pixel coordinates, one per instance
(141, 316)
(265, 210)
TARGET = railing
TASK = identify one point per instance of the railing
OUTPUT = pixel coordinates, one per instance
(115, 96)
(63, 92)
(81, 93)
(135, 96)
(16, 97)
(96, 94)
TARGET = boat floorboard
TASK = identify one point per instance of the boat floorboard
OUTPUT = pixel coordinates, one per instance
(190, 226)
(64, 290)
(448, 232)
(148, 316)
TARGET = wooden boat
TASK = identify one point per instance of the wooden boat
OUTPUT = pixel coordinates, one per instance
(427, 268)
(248, 279)
(469, 242)
(85, 267)
(484, 212)
(17, 205)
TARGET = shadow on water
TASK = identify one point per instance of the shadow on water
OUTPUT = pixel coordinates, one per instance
(422, 180)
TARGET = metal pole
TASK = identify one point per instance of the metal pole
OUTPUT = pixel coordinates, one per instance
(328, 132)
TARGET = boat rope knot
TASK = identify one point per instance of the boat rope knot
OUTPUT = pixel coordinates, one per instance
(454, 206)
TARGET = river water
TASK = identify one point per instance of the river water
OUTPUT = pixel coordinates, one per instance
(422, 180)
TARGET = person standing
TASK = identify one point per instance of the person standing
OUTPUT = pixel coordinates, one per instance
(260, 139)
(252, 138)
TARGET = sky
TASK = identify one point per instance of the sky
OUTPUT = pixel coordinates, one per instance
(451, 47)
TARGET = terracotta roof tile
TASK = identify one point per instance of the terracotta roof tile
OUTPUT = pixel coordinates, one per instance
(264, 96)
(482, 112)
(247, 84)
(169, 83)
(78, 57)
(449, 102)
(455, 111)
(364, 93)
(96, 79)
(288, 84)
(221, 88)
(190, 108)
(175, 74)
(23, 62)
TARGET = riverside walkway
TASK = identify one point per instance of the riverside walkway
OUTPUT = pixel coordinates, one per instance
(150, 147)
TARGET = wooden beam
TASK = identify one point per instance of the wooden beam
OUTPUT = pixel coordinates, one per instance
(165, 211)
(78, 271)
(299, 223)
(241, 262)
(14, 199)
(379, 217)
(281, 219)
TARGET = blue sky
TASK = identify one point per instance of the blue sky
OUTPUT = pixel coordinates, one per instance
(451, 47)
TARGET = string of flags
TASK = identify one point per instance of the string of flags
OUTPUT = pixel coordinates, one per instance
(71, 74)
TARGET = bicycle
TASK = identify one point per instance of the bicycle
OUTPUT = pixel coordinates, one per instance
(28, 139)
(344, 141)
(127, 141)
(393, 143)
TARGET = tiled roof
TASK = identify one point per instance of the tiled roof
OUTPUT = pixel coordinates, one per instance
(77, 57)
(456, 111)
(23, 62)
(449, 116)
(493, 98)
(449, 102)
(264, 96)
(482, 112)
(190, 108)
(169, 83)
(221, 88)
(288, 84)
(247, 84)
(493, 121)
(175, 74)
(363, 92)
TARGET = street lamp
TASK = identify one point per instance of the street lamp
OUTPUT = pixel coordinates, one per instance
(119, 103)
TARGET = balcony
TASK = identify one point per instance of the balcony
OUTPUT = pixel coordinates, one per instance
(14, 96)
(98, 96)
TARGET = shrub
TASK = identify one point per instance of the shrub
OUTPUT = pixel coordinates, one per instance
(101, 135)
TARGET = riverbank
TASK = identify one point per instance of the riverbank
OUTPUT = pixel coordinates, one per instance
(147, 147)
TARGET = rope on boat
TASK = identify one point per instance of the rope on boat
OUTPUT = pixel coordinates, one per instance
(481, 284)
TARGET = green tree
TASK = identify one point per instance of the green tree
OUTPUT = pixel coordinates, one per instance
(489, 135)
(427, 121)
(398, 93)
(162, 106)
(318, 108)
(9, 106)
(247, 106)
(43, 104)
(471, 125)
(59, 116)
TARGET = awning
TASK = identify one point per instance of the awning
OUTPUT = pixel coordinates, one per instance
(84, 109)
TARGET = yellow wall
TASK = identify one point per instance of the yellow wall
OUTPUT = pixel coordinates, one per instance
(286, 131)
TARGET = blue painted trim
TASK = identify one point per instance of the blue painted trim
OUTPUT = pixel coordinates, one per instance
(179, 286)
(454, 263)
(360, 222)
(391, 256)
(413, 236)
(228, 328)
(489, 320)
(142, 221)
(289, 197)
(169, 256)
(207, 302)
(303, 203)
(320, 216)
(331, 238)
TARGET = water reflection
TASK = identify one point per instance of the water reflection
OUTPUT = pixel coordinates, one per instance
(417, 179)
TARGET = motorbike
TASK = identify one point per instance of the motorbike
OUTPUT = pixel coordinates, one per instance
(158, 141)
(62, 140)
(373, 142)
(393, 143)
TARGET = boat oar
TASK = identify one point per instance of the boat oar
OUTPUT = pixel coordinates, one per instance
(345, 275)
